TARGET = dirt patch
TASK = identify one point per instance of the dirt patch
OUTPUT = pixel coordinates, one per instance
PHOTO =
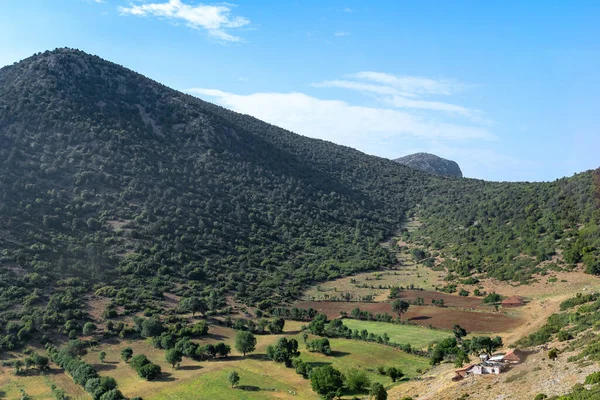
(118, 225)
(449, 299)
(444, 318)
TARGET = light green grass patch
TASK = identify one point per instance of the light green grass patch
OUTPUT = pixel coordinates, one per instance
(417, 336)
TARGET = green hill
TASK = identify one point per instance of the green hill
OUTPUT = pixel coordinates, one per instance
(112, 182)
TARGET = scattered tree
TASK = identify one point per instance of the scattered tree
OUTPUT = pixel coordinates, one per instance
(245, 342)
(233, 378)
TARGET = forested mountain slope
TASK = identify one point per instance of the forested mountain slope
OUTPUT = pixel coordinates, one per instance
(110, 181)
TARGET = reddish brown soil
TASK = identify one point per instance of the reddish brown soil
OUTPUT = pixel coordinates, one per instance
(450, 300)
(444, 318)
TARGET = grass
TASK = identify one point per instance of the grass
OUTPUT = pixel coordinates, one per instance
(417, 336)
(349, 354)
(38, 386)
(260, 377)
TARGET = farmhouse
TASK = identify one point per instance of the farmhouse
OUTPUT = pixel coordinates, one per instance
(513, 301)
(490, 365)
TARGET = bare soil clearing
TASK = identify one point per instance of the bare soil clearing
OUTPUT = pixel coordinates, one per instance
(450, 300)
(444, 318)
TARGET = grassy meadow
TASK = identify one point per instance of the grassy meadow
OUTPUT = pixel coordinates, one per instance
(417, 336)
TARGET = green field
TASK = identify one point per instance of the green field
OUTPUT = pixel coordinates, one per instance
(260, 378)
(417, 336)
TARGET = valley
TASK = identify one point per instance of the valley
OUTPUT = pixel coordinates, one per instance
(268, 264)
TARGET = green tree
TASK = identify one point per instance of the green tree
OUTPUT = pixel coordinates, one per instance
(327, 381)
(192, 304)
(233, 378)
(378, 392)
(102, 356)
(245, 342)
(357, 380)
(284, 351)
(394, 373)
(553, 354)
(89, 329)
(400, 306)
(126, 354)
(173, 357)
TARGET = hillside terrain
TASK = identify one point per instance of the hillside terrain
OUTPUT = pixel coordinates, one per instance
(122, 199)
(431, 163)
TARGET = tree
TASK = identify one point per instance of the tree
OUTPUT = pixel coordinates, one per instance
(327, 381)
(222, 349)
(394, 373)
(89, 329)
(283, 351)
(400, 306)
(152, 327)
(276, 326)
(378, 392)
(233, 378)
(173, 357)
(192, 304)
(553, 354)
(459, 332)
(126, 354)
(149, 371)
(357, 380)
(102, 356)
(112, 394)
(245, 342)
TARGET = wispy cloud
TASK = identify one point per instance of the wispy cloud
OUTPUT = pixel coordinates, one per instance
(407, 116)
(405, 91)
(341, 33)
(214, 19)
(413, 84)
(340, 121)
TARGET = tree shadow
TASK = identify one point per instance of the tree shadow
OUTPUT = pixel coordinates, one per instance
(104, 367)
(2, 394)
(231, 358)
(420, 318)
(189, 368)
(336, 354)
(165, 377)
(249, 388)
(214, 336)
(260, 357)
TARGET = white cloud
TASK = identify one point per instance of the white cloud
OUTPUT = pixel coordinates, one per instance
(214, 19)
(341, 33)
(412, 84)
(403, 119)
(340, 122)
(403, 92)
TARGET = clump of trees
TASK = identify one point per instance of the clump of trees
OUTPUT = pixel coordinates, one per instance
(283, 351)
(144, 367)
(84, 374)
(320, 345)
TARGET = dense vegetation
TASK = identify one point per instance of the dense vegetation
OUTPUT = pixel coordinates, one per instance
(116, 185)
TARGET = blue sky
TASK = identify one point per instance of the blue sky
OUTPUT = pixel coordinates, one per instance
(510, 90)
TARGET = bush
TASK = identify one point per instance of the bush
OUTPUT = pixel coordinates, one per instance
(327, 381)
(357, 380)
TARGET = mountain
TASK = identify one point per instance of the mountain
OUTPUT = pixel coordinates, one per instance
(431, 163)
(115, 185)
